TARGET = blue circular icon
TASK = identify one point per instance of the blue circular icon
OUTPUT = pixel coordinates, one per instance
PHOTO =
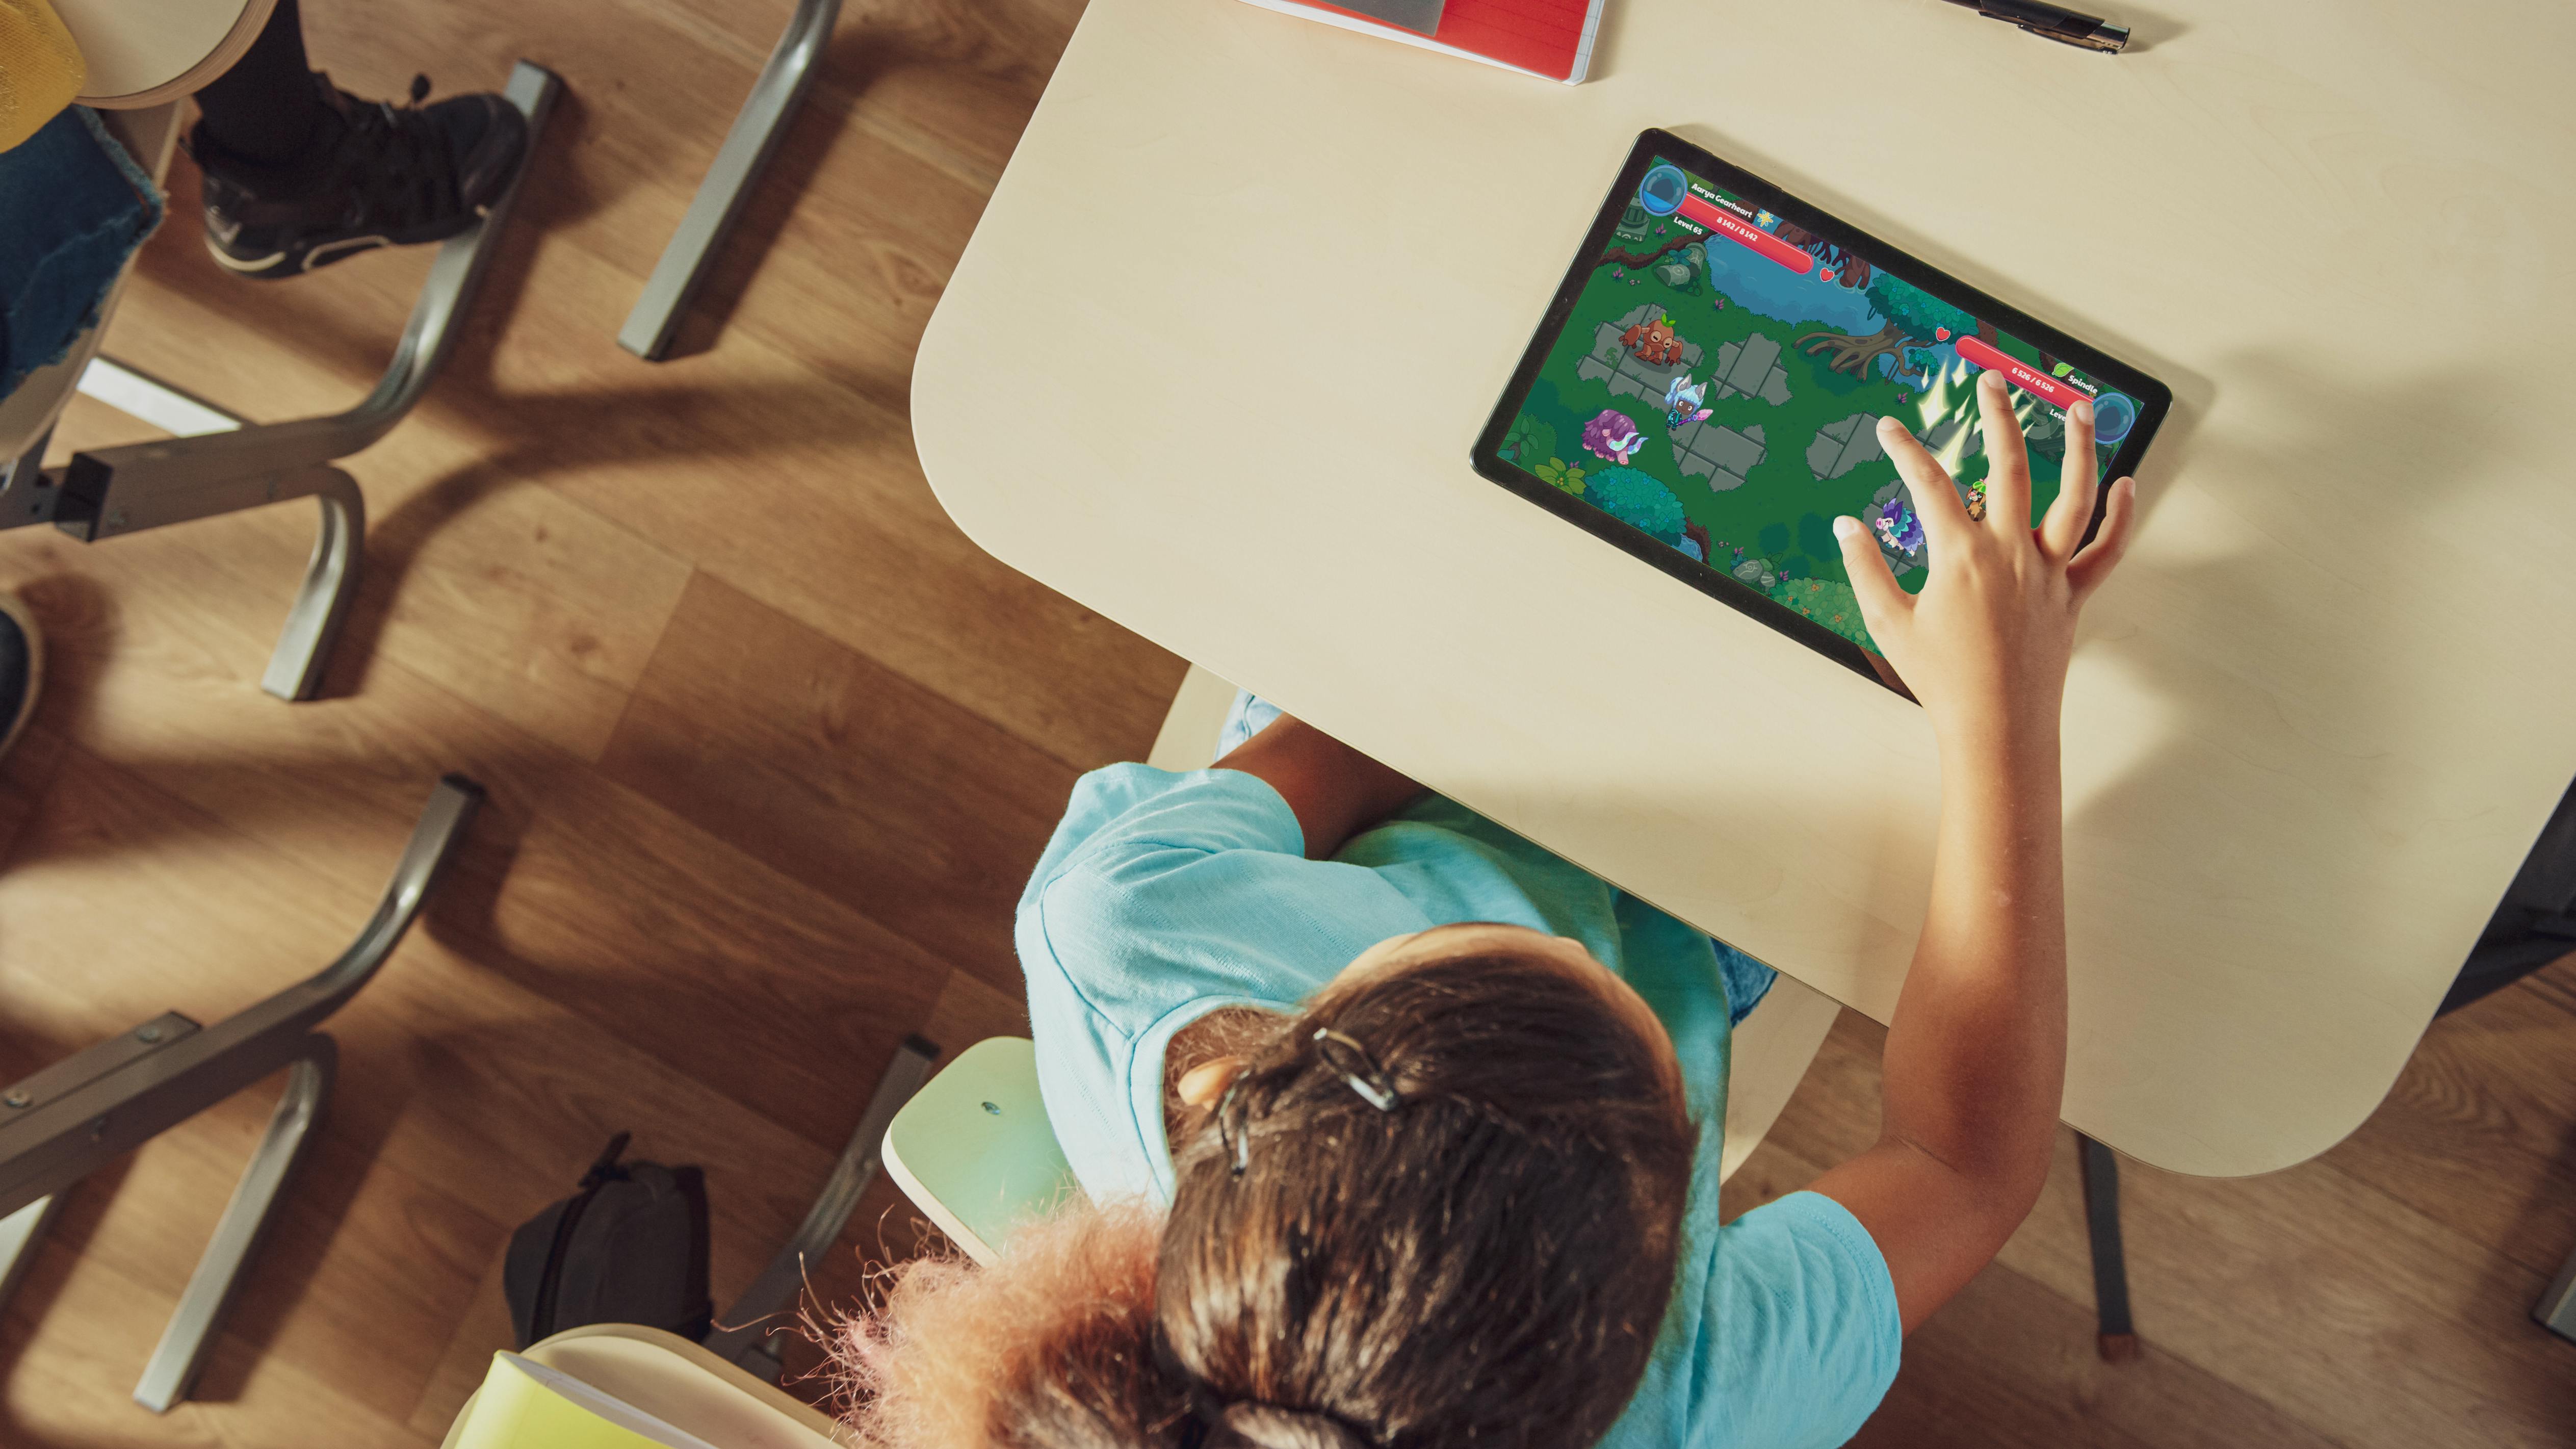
(1662, 191)
(2113, 416)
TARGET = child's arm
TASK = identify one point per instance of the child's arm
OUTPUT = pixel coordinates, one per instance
(1976, 1055)
(1334, 790)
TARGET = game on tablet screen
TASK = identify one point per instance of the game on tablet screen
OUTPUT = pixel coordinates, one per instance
(1719, 379)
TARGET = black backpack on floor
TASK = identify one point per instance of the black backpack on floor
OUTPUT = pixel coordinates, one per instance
(629, 1247)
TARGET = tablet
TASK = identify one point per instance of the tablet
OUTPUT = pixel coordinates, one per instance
(1705, 388)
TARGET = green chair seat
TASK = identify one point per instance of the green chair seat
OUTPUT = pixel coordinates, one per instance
(974, 1150)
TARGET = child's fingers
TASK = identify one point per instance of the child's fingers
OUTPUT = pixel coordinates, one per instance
(2102, 555)
(2062, 531)
(1882, 601)
(1936, 502)
(2007, 462)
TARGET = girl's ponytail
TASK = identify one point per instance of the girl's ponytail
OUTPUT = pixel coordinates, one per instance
(1051, 1348)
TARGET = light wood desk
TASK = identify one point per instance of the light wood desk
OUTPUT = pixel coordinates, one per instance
(1214, 358)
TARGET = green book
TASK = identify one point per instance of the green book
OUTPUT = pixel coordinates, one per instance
(525, 1405)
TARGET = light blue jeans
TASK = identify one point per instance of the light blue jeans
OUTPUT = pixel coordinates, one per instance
(1747, 980)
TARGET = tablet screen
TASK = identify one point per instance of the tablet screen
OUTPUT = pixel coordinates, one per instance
(1717, 379)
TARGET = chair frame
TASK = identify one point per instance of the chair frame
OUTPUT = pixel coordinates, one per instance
(114, 492)
(746, 1335)
(92, 1107)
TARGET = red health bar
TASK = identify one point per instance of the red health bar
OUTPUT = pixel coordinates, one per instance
(1727, 224)
(2019, 373)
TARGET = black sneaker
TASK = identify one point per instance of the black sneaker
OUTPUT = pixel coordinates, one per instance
(22, 668)
(377, 176)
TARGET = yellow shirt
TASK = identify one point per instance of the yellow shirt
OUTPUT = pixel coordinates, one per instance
(40, 68)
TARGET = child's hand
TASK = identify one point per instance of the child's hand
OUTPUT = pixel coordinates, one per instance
(1984, 646)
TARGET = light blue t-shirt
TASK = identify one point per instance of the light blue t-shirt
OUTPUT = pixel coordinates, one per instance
(1164, 897)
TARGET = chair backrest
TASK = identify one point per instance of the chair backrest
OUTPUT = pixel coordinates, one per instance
(973, 1148)
(144, 53)
(679, 1383)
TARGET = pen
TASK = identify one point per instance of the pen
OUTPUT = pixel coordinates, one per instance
(2050, 22)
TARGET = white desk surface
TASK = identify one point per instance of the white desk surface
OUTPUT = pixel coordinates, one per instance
(1214, 358)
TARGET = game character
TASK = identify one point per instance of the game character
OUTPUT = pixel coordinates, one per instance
(1613, 435)
(1653, 342)
(1680, 400)
(1899, 529)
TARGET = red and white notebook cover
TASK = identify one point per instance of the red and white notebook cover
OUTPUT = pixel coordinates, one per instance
(1551, 38)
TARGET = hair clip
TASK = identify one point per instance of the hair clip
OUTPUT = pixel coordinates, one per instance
(1357, 1068)
(1237, 1147)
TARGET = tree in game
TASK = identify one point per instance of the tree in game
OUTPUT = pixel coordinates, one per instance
(1912, 319)
(1639, 261)
(1528, 441)
(1637, 499)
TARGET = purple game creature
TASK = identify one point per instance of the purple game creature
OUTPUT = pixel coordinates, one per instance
(1614, 436)
(1899, 529)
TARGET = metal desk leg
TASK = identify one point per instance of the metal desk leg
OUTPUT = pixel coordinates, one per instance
(712, 212)
(2117, 1341)
(94, 1106)
(2556, 1310)
(117, 491)
(743, 1333)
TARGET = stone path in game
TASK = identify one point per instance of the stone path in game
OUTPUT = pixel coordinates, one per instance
(1752, 367)
(1843, 445)
(1721, 455)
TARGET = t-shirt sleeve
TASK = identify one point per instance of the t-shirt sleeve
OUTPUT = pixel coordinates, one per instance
(1799, 1333)
(1182, 894)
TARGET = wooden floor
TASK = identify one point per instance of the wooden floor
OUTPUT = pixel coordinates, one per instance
(770, 747)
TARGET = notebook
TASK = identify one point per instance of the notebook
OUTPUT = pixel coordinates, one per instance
(1551, 38)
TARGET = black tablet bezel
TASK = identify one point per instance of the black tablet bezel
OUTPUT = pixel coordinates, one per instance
(2154, 398)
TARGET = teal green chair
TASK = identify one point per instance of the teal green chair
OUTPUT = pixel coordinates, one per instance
(973, 1149)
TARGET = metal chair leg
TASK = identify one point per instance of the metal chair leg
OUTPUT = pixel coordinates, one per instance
(322, 602)
(177, 1359)
(756, 131)
(2118, 1340)
(19, 476)
(743, 1333)
(21, 1234)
